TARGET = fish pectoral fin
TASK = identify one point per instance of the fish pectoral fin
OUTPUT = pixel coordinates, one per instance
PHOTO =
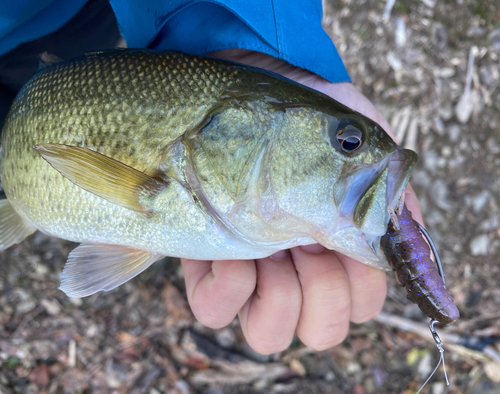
(105, 177)
(92, 267)
(13, 228)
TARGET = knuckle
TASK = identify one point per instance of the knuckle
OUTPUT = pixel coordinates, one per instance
(268, 347)
(212, 320)
(281, 293)
(367, 304)
(365, 314)
(330, 336)
(330, 283)
(235, 285)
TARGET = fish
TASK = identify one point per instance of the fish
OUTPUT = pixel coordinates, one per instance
(139, 154)
(409, 256)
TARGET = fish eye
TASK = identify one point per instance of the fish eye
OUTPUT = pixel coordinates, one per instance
(350, 138)
(347, 134)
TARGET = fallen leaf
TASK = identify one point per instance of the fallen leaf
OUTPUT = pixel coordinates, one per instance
(125, 337)
(40, 375)
(179, 313)
(492, 371)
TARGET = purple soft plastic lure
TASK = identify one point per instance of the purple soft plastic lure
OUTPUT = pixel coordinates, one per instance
(409, 256)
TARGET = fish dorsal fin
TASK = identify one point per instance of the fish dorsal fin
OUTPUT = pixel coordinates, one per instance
(92, 267)
(105, 177)
(13, 228)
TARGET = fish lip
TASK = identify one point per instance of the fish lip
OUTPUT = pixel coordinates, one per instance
(401, 165)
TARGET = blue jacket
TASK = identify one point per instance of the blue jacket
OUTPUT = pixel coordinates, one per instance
(287, 29)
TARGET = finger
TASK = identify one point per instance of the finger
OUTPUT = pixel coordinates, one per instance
(324, 319)
(270, 316)
(413, 204)
(368, 289)
(217, 290)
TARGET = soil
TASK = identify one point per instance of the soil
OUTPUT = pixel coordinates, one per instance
(412, 63)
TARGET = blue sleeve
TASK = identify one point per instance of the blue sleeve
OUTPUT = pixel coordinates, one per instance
(25, 20)
(289, 30)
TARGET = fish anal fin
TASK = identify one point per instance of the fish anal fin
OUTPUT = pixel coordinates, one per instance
(101, 175)
(13, 228)
(93, 267)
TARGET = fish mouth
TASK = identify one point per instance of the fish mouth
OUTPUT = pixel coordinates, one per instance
(400, 169)
(367, 192)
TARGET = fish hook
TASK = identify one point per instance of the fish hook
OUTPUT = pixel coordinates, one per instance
(434, 251)
(433, 322)
(439, 345)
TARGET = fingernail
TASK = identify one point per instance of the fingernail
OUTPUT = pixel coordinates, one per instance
(313, 248)
(280, 256)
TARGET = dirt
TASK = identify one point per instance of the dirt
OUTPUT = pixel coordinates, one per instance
(142, 338)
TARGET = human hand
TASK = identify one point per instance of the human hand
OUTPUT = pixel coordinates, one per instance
(308, 290)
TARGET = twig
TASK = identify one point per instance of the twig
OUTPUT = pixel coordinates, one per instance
(387, 10)
(453, 342)
(28, 318)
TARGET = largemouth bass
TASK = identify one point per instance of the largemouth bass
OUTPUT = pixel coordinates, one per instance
(139, 155)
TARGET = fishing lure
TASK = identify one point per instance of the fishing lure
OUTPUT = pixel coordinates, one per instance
(408, 254)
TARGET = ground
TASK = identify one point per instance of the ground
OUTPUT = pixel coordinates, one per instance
(412, 63)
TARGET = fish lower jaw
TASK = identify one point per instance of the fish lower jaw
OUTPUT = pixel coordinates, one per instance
(351, 242)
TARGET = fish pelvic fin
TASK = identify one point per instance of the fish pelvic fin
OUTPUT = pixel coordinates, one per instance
(103, 176)
(92, 267)
(13, 228)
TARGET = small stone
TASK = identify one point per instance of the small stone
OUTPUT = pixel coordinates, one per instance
(52, 307)
(464, 107)
(438, 125)
(297, 366)
(25, 306)
(439, 36)
(420, 178)
(42, 270)
(479, 245)
(424, 367)
(490, 224)
(493, 146)
(486, 76)
(439, 192)
(446, 151)
(394, 62)
(182, 387)
(75, 301)
(430, 160)
(438, 388)
(492, 370)
(330, 376)
(444, 72)
(476, 31)
(445, 111)
(454, 132)
(479, 201)
(400, 34)
(494, 38)
(226, 337)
